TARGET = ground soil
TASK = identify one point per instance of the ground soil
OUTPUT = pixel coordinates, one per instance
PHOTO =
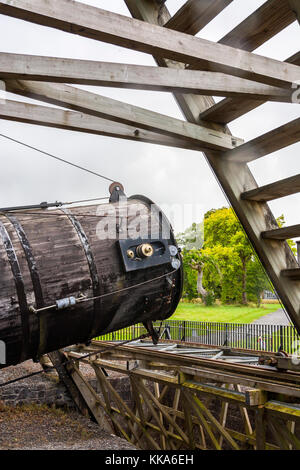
(42, 427)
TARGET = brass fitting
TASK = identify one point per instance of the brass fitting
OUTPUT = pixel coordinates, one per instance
(130, 254)
(145, 250)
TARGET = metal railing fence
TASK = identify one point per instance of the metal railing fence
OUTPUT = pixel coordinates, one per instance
(247, 336)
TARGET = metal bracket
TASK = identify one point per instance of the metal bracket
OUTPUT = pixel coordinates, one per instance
(133, 261)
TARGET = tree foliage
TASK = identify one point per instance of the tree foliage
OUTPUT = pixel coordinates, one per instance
(225, 267)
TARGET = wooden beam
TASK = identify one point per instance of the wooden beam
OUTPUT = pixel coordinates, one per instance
(295, 8)
(190, 104)
(158, 14)
(265, 144)
(75, 121)
(263, 24)
(294, 59)
(230, 109)
(283, 233)
(94, 23)
(194, 15)
(107, 74)
(274, 190)
(292, 273)
(107, 108)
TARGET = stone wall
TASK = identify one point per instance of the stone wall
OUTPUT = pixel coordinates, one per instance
(43, 391)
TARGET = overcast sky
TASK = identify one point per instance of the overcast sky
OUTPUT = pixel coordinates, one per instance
(177, 176)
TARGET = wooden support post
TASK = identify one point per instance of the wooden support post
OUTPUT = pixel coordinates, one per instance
(260, 428)
(244, 414)
(157, 395)
(255, 397)
(58, 359)
(139, 406)
(189, 422)
(92, 400)
(203, 421)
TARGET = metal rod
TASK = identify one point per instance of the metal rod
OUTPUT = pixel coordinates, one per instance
(42, 205)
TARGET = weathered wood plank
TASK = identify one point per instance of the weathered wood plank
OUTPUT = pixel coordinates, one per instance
(295, 7)
(158, 14)
(194, 15)
(263, 24)
(107, 108)
(64, 371)
(292, 273)
(92, 400)
(281, 411)
(230, 109)
(98, 24)
(274, 190)
(139, 77)
(72, 120)
(283, 233)
(265, 144)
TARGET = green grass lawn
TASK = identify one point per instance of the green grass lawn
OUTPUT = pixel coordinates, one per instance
(222, 313)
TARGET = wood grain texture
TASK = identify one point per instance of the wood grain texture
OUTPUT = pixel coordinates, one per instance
(275, 190)
(265, 144)
(194, 15)
(107, 108)
(263, 24)
(63, 268)
(293, 274)
(230, 109)
(91, 22)
(283, 233)
(74, 121)
(138, 77)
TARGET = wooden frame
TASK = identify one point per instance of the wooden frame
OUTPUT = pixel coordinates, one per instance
(179, 408)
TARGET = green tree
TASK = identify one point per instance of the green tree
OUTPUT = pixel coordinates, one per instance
(221, 227)
(225, 265)
(200, 261)
(257, 281)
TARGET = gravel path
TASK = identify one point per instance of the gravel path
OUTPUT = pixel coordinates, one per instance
(275, 318)
(37, 427)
